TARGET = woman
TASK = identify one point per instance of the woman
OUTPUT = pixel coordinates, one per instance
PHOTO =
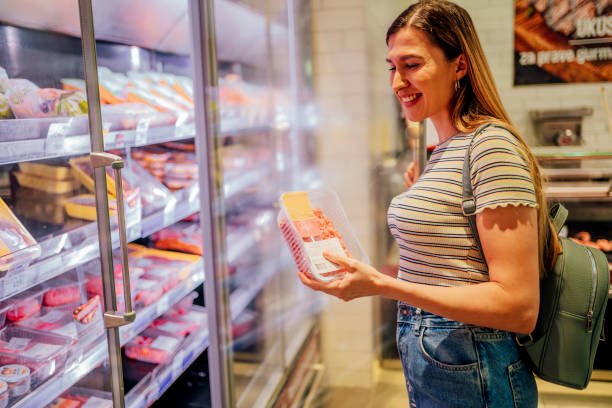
(458, 308)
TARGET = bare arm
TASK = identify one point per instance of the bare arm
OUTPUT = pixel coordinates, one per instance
(509, 301)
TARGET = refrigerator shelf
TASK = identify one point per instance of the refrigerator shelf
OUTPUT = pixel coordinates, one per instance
(97, 353)
(13, 147)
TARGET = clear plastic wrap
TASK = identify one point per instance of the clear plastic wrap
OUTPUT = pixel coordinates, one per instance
(312, 222)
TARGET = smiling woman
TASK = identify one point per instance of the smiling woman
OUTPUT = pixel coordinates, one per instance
(459, 307)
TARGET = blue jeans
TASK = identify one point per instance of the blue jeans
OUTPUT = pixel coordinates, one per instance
(453, 364)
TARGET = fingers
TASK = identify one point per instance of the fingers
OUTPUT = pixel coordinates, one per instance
(409, 175)
(341, 260)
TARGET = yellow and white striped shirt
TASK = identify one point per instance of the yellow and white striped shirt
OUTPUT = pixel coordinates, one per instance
(435, 241)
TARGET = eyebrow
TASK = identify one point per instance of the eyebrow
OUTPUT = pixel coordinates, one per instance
(405, 57)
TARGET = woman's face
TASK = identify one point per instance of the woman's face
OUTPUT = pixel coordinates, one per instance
(421, 76)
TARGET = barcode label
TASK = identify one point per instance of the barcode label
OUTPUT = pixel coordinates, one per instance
(314, 250)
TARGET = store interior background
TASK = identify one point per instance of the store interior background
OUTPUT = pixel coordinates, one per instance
(360, 129)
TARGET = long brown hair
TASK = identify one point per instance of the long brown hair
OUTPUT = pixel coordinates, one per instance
(477, 101)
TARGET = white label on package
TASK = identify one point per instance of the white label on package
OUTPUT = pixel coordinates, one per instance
(41, 350)
(165, 343)
(17, 343)
(172, 327)
(315, 253)
(52, 316)
(95, 402)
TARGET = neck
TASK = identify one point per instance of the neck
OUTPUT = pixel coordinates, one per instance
(444, 126)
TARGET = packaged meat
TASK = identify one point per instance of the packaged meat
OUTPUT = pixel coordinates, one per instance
(17, 246)
(55, 321)
(24, 305)
(77, 397)
(47, 185)
(152, 193)
(182, 307)
(312, 222)
(88, 320)
(84, 172)
(43, 353)
(152, 346)
(147, 291)
(174, 326)
(181, 236)
(17, 379)
(53, 171)
(62, 295)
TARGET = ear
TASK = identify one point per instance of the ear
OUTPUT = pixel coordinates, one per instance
(462, 68)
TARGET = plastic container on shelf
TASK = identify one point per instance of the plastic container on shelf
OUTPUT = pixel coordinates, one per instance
(4, 306)
(147, 291)
(17, 246)
(24, 305)
(18, 379)
(174, 326)
(153, 346)
(312, 222)
(62, 292)
(88, 320)
(77, 397)
(44, 354)
(4, 394)
(83, 207)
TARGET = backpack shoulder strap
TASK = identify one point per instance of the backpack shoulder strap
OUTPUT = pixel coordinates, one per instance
(558, 213)
(468, 203)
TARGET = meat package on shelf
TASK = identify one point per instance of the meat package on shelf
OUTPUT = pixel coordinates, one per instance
(175, 168)
(78, 397)
(585, 238)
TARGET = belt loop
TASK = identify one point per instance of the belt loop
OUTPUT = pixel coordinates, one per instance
(417, 328)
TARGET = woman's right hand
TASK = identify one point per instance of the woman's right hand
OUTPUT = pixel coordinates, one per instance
(409, 176)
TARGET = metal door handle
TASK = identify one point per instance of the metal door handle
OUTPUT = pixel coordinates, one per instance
(112, 319)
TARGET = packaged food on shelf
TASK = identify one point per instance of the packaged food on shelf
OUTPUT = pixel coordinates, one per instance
(88, 320)
(147, 291)
(53, 170)
(17, 246)
(83, 207)
(78, 397)
(24, 305)
(153, 346)
(4, 394)
(182, 307)
(58, 321)
(84, 173)
(3, 308)
(17, 377)
(153, 194)
(174, 326)
(29, 101)
(312, 222)
(47, 185)
(42, 353)
(62, 295)
(5, 108)
(182, 236)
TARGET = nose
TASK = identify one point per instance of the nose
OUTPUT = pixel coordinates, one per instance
(398, 82)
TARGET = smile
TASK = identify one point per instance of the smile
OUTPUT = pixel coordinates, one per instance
(410, 98)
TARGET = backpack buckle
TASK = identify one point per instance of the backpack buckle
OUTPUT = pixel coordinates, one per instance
(527, 340)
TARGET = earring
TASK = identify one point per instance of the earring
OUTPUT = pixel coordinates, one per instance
(457, 86)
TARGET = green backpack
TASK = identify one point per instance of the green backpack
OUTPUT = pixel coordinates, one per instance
(573, 299)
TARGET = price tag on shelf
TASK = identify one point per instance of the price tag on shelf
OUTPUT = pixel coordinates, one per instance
(142, 131)
(177, 364)
(15, 282)
(181, 130)
(162, 305)
(56, 136)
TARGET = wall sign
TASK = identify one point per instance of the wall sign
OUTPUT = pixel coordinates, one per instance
(562, 41)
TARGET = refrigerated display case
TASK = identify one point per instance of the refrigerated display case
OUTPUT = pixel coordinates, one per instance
(206, 141)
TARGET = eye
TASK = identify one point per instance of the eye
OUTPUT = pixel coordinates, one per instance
(410, 66)
(392, 69)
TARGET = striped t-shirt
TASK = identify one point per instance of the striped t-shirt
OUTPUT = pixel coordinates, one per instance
(435, 241)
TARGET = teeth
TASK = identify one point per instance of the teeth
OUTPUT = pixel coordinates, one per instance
(409, 98)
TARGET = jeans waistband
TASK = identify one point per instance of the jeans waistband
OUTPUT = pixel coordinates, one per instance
(414, 315)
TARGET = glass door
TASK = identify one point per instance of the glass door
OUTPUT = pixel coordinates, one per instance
(100, 253)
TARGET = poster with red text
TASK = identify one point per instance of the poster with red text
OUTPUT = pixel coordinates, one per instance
(562, 41)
